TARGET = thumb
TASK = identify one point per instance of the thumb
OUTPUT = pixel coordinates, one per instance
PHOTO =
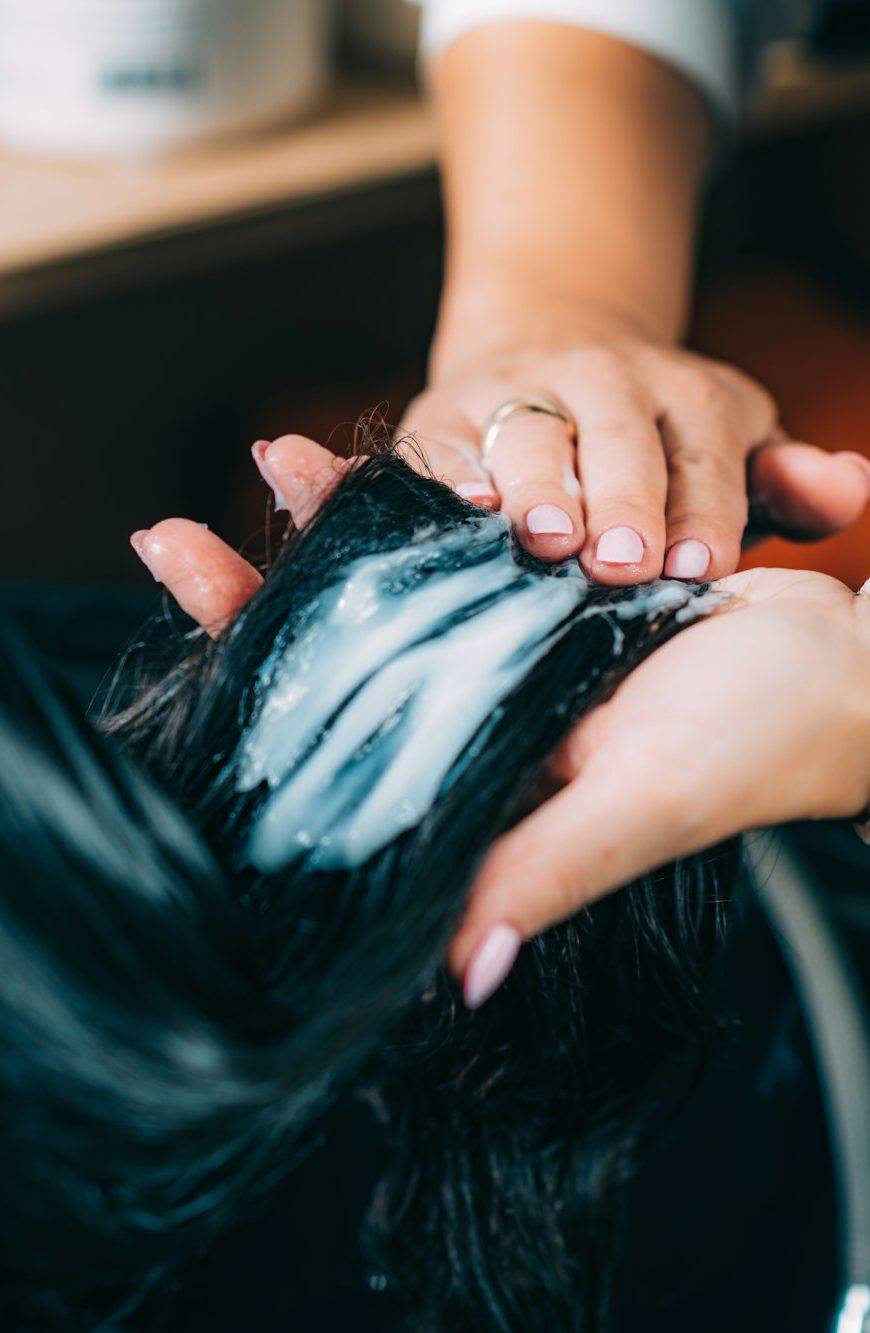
(803, 492)
(615, 821)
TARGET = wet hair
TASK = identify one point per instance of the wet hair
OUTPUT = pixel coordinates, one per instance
(178, 1015)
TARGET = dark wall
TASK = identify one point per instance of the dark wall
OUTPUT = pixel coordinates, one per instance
(135, 405)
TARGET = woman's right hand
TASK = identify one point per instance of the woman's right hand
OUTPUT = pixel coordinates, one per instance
(757, 715)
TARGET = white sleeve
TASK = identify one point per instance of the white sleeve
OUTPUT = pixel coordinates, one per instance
(713, 42)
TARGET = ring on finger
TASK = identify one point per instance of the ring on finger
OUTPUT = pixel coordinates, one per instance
(498, 419)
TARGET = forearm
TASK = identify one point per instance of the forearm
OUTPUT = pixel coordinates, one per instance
(573, 167)
(572, 170)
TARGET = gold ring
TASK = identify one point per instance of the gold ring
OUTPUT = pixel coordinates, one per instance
(515, 407)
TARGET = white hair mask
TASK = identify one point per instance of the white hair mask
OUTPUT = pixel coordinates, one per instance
(393, 673)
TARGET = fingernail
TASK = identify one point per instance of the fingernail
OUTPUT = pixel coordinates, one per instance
(862, 461)
(139, 541)
(619, 546)
(548, 520)
(477, 492)
(258, 452)
(490, 963)
(688, 559)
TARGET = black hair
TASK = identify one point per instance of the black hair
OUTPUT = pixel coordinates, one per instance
(174, 1025)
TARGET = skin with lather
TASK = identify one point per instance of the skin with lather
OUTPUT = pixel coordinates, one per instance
(573, 166)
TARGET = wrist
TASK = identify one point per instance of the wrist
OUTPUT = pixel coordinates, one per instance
(495, 314)
(572, 169)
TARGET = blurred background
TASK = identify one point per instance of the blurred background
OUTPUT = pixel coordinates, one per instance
(220, 221)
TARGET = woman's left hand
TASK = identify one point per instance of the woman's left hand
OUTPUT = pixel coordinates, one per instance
(674, 451)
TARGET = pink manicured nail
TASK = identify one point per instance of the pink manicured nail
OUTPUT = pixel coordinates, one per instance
(548, 520)
(477, 492)
(490, 963)
(139, 542)
(687, 560)
(258, 453)
(619, 546)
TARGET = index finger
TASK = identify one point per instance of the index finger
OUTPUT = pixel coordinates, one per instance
(572, 850)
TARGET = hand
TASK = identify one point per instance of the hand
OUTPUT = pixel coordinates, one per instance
(573, 167)
(757, 715)
(208, 579)
(667, 443)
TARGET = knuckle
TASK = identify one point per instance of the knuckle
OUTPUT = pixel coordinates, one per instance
(678, 372)
(674, 803)
(719, 521)
(622, 428)
(614, 506)
(739, 381)
(602, 362)
(767, 403)
(743, 396)
(690, 459)
(672, 806)
(564, 892)
(765, 412)
(706, 391)
(704, 466)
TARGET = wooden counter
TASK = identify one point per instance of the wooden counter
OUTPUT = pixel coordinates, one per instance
(69, 226)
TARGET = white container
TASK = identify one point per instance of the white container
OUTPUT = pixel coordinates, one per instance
(134, 76)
